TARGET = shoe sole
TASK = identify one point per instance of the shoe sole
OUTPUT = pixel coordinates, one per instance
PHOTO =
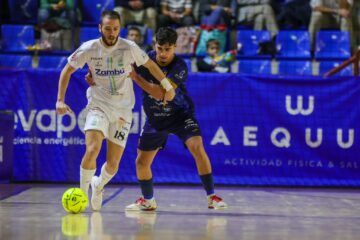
(142, 210)
(219, 208)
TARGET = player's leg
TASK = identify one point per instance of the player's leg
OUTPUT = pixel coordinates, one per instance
(189, 132)
(197, 150)
(149, 144)
(108, 170)
(117, 137)
(95, 131)
(147, 202)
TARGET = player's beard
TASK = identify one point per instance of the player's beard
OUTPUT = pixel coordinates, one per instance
(106, 41)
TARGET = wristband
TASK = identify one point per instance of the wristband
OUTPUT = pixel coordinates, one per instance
(166, 84)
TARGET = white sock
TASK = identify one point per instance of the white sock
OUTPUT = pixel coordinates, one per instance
(104, 177)
(85, 178)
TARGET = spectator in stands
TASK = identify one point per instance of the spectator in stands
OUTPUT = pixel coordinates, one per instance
(356, 21)
(134, 34)
(136, 11)
(214, 62)
(176, 12)
(330, 14)
(59, 12)
(294, 13)
(259, 13)
(216, 12)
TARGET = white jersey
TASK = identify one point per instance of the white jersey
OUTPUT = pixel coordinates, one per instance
(110, 68)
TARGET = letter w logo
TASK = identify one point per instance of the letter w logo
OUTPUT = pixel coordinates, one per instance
(299, 106)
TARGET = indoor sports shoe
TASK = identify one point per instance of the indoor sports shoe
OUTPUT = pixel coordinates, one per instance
(142, 205)
(215, 202)
(96, 195)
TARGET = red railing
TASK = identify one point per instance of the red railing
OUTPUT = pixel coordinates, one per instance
(353, 60)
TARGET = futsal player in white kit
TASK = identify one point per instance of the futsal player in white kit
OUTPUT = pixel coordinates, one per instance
(110, 100)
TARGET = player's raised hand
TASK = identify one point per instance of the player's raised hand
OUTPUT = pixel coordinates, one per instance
(169, 95)
(89, 79)
(62, 108)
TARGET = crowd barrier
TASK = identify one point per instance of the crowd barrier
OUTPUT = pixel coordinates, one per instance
(257, 130)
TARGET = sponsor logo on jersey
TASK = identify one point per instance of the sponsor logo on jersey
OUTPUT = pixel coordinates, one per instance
(114, 72)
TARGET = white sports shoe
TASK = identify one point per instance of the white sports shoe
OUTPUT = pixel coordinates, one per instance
(142, 205)
(215, 202)
(96, 195)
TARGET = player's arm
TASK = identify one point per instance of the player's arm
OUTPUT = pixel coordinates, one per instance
(160, 76)
(65, 75)
(154, 90)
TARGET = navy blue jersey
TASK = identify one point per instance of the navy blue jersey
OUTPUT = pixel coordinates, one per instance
(159, 116)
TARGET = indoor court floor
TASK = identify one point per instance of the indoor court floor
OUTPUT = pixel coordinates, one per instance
(34, 211)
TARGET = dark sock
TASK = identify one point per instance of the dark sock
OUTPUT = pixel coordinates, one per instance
(208, 183)
(147, 188)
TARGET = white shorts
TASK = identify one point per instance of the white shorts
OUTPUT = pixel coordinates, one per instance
(117, 130)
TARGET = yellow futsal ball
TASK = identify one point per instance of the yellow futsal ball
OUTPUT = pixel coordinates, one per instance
(74, 200)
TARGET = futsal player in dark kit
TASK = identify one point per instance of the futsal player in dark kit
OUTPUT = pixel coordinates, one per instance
(176, 117)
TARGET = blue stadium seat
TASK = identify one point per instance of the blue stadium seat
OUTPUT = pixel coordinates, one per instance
(293, 44)
(123, 32)
(255, 66)
(248, 42)
(56, 62)
(15, 61)
(16, 38)
(188, 64)
(332, 45)
(295, 68)
(23, 11)
(325, 66)
(91, 10)
(89, 33)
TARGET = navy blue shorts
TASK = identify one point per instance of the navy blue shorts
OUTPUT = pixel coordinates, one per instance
(152, 139)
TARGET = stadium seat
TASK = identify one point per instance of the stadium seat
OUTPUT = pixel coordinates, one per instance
(22, 11)
(188, 64)
(88, 33)
(332, 45)
(56, 62)
(325, 66)
(248, 42)
(91, 10)
(293, 44)
(16, 38)
(295, 68)
(15, 61)
(255, 66)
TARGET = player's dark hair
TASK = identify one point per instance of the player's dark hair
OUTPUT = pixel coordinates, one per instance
(111, 14)
(166, 35)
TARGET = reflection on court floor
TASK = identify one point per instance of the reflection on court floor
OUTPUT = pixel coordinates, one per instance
(35, 212)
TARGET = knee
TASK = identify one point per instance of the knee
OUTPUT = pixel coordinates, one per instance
(151, 13)
(112, 166)
(142, 163)
(267, 9)
(316, 16)
(93, 148)
(119, 10)
(195, 147)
